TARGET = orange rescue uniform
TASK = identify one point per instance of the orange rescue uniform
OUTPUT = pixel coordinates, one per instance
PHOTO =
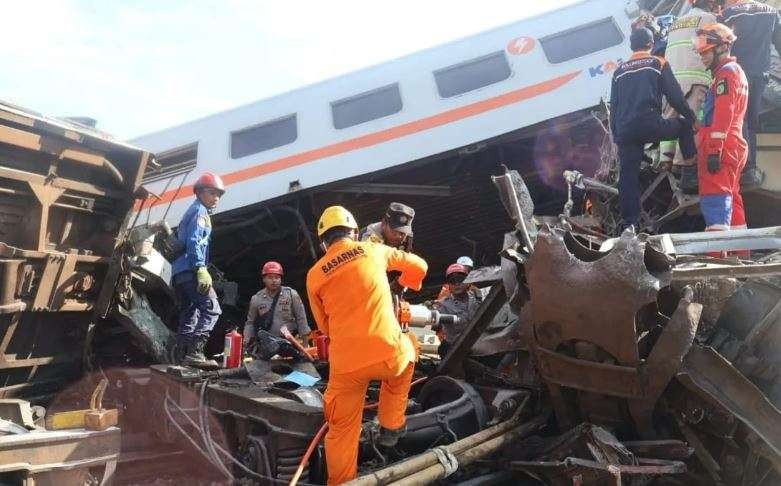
(351, 302)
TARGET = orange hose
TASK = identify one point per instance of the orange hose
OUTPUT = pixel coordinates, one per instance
(319, 436)
(316, 440)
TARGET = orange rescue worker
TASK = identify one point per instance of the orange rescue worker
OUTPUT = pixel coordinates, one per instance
(351, 302)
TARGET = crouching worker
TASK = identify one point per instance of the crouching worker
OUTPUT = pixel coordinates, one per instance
(275, 306)
(351, 302)
(723, 150)
(199, 309)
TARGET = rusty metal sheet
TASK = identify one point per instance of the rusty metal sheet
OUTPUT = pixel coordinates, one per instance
(624, 381)
(665, 360)
(579, 294)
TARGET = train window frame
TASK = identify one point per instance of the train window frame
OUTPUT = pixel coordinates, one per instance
(475, 61)
(168, 170)
(553, 59)
(266, 124)
(363, 96)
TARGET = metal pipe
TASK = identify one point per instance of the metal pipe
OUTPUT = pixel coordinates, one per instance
(472, 452)
(732, 271)
(429, 458)
(712, 241)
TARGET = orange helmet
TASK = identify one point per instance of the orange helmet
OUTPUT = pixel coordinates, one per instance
(210, 180)
(271, 268)
(712, 36)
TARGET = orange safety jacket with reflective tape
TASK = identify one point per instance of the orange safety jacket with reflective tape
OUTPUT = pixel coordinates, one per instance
(351, 301)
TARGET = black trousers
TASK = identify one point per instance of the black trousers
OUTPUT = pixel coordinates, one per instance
(756, 86)
(631, 142)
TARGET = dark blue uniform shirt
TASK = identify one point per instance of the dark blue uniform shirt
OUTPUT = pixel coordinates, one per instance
(637, 90)
(757, 25)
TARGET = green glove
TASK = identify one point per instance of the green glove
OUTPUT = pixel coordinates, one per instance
(204, 280)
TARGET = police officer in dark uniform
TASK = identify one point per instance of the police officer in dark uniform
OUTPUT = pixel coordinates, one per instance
(199, 309)
(757, 26)
(636, 116)
(395, 229)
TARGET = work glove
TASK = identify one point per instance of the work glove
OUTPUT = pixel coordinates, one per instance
(204, 280)
(714, 163)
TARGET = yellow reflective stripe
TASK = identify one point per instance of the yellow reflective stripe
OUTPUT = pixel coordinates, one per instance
(685, 42)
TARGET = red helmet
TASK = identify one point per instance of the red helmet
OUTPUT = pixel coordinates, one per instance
(210, 180)
(456, 268)
(273, 268)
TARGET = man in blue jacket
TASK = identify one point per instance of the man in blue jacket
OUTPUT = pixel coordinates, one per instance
(758, 27)
(199, 309)
(636, 117)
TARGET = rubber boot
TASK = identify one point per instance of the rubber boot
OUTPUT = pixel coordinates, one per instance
(389, 438)
(195, 356)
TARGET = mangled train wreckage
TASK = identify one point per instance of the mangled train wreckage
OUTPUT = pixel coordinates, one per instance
(592, 360)
(630, 360)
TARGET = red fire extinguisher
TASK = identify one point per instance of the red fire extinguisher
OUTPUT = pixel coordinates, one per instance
(231, 357)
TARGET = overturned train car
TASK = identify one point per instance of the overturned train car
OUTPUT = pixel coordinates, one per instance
(66, 191)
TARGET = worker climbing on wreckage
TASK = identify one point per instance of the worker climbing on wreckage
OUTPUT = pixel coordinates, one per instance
(636, 117)
(275, 306)
(351, 302)
(694, 79)
(198, 306)
(723, 150)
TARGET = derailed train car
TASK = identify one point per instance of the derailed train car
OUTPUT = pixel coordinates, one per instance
(66, 193)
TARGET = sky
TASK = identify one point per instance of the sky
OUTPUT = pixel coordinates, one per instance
(138, 66)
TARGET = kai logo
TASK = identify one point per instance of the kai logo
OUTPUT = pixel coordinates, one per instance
(520, 46)
(605, 68)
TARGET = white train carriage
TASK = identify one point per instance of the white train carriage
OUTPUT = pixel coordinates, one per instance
(400, 111)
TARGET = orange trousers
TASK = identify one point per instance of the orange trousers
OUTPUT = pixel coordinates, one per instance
(344, 402)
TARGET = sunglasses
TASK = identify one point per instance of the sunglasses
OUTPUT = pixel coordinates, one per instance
(456, 279)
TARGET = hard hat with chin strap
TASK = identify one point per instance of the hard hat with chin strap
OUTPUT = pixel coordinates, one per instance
(334, 217)
(211, 181)
(712, 36)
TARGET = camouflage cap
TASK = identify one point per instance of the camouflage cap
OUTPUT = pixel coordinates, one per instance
(399, 217)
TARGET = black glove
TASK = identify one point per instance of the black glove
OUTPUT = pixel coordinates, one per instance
(714, 163)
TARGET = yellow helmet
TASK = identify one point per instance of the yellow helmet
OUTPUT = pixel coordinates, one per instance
(335, 216)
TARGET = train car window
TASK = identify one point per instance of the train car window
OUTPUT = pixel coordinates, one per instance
(263, 137)
(473, 74)
(172, 162)
(366, 106)
(582, 40)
